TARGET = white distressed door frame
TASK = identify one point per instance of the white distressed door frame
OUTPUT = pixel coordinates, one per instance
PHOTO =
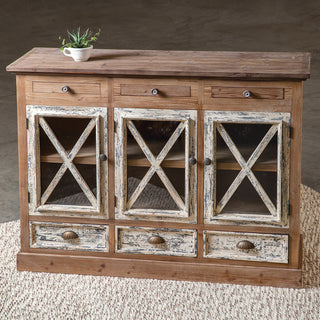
(188, 123)
(98, 122)
(280, 124)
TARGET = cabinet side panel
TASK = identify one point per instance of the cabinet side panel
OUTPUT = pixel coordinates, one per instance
(295, 174)
(23, 161)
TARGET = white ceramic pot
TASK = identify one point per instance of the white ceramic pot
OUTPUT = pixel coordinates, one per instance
(78, 54)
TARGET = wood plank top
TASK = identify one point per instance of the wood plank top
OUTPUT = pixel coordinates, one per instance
(214, 64)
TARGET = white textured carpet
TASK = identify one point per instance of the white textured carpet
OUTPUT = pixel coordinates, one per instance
(26, 295)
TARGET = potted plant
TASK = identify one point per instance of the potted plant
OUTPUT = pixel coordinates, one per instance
(79, 45)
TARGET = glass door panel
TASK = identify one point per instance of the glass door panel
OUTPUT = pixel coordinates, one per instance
(155, 177)
(68, 190)
(246, 173)
(66, 145)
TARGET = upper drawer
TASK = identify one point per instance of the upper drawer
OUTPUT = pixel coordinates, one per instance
(247, 94)
(67, 90)
(155, 93)
(155, 90)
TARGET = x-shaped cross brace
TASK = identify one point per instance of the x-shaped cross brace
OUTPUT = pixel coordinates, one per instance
(155, 165)
(246, 168)
(67, 161)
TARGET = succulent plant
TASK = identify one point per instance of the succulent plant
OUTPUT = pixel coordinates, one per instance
(78, 40)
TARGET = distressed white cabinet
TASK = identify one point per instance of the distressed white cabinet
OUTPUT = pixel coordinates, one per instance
(246, 167)
(67, 152)
(178, 165)
(155, 164)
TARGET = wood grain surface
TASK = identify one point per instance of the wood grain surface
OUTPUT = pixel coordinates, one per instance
(277, 277)
(255, 65)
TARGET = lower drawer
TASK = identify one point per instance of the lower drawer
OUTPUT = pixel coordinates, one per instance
(69, 236)
(170, 242)
(246, 246)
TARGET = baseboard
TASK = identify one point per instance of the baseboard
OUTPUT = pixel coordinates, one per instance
(164, 270)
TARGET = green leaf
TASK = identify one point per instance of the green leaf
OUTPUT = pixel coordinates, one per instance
(78, 40)
(85, 35)
(72, 36)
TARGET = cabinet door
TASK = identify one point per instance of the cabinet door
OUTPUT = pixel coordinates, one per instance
(67, 152)
(155, 164)
(246, 167)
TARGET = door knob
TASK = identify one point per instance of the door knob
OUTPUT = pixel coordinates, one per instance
(103, 157)
(192, 161)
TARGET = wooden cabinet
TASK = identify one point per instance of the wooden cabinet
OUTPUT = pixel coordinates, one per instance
(162, 164)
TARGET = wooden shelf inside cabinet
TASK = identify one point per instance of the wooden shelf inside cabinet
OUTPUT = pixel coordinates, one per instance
(225, 160)
(270, 167)
(165, 163)
(87, 155)
(266, 162)
(136, 158)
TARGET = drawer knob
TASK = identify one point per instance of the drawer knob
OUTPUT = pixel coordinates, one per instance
(245, 245)
(69, 235)
(154, 91)
(192, 161)
(246, 93)
(65, 89)
(156, 240)
(207, 161)
(103, 157)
